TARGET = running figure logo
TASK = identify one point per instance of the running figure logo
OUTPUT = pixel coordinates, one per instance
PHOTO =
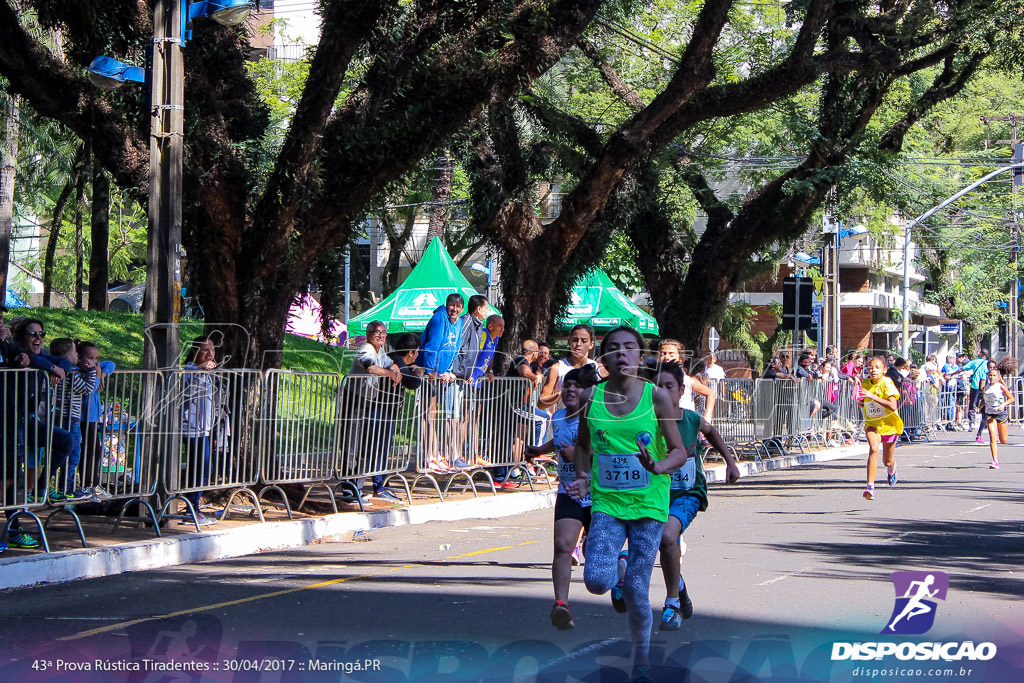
(916, 594)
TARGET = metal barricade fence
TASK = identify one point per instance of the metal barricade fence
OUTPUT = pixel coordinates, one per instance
(953, 407)
(911, 411)
(851, 415)
(781, 405)
(375, 429)
(1016, 409)
(734, 411)
(119, 459)
(120, 444)
(929, 397)
(503, 410)
(300, 429)
(26, 441)
(211, 433)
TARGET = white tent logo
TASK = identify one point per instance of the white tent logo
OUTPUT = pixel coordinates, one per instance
(416, 305)
(425, 300)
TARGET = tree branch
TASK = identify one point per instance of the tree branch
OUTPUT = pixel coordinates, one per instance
(54, 91)
(610, 76)
(346, 25)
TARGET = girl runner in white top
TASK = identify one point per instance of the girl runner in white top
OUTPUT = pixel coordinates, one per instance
(581, 343)
(671, 351)
(997, 399)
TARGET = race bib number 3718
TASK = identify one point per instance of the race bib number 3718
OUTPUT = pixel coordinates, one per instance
(621, 471)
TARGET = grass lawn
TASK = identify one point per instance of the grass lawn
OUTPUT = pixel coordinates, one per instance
(119, 338)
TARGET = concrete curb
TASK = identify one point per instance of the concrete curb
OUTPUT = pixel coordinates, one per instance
(715, 474)
(86, 563)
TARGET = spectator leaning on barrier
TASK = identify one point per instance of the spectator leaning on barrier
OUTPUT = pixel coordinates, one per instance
(70, 394)
(524, 364)
(488, 343)
(774, 369)
(439, 345)
(25, 427)
(92, 413)
(544, 359)
(896, 371)
(473, 337)
(805, 367)
(202, 402)
(376, 416)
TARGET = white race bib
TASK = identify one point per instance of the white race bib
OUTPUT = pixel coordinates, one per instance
(685, 477)
(566, 471)
(621, 471)
(874, 410)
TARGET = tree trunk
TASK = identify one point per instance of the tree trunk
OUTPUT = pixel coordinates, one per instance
(528, 283)
(8, 171)
(80, 240)
(56, 223)
(396, 247)
(439, 199)
(98, 264)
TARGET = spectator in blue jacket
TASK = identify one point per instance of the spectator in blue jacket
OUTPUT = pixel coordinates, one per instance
(439, 345)
(473, 337)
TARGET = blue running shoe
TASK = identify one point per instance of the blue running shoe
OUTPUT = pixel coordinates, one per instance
(22, 540)
(671, 619)
(618, 601)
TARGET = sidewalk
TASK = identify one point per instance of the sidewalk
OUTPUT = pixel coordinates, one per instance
(138, 549)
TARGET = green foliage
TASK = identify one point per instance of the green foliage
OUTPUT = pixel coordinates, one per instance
(46, 155)
(619, 262)
(735, 328)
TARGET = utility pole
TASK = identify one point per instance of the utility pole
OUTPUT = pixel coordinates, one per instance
(166, 153)
(1013, 309)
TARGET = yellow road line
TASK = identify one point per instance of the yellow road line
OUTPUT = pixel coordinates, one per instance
(489, 550)
(206, 608)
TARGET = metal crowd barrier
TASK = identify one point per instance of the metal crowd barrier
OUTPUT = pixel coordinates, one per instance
(1016, 409)
(210, 435)
(912, 412)
(120, 453)
(26, 442)
(375, 422)
(299, 432)
(735, 416)
(462, 429)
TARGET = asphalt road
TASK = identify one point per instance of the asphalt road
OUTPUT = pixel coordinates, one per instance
(780, 568)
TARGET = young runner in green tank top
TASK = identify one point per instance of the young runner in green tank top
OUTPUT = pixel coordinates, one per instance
(627, 444)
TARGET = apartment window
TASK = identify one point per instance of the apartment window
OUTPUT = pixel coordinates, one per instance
(265, 5)
(1002, 329)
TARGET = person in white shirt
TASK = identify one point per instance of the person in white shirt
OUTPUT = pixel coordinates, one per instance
(712, 369)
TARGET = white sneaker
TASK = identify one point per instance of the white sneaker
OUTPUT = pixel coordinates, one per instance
(993, 465)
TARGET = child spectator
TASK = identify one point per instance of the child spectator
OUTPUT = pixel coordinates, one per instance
(92, 414)
(68, 397)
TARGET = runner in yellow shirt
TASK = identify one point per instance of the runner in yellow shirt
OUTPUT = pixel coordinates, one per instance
(882, 423)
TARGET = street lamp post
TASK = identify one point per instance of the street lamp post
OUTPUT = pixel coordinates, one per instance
(162, 304)
(906, 243)
(166, 154)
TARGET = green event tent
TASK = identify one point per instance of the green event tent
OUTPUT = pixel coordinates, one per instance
(408, 308)
(597, 302)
